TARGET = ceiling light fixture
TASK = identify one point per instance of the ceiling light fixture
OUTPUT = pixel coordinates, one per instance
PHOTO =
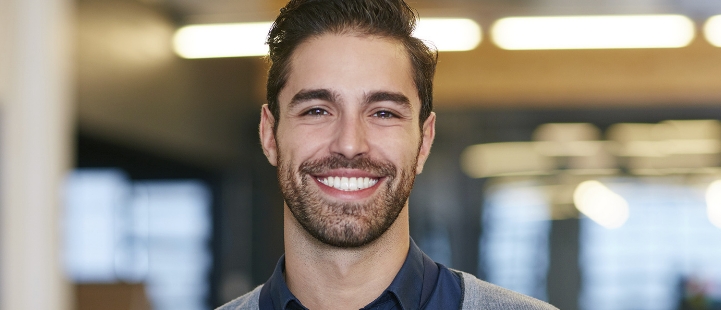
(713, 203)
(600, 204)
(222, 40)
(248, 39)
(504, 159)
(712, 30)
(593, 32)
(449, 34)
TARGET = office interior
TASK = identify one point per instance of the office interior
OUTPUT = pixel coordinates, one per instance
(132, 177)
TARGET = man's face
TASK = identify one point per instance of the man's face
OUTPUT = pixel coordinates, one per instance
(348, 143)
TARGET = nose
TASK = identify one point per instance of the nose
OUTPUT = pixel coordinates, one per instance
(351, 137)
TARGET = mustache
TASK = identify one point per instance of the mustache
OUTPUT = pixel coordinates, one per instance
(364, 163)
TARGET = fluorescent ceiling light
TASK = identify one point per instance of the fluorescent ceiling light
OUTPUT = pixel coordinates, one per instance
(713, 202)
(222, 40)
(672, 137)
(248, 39)
(600, 204)
(712, 30)
(593, 32)
(504, 158)
(449, 34)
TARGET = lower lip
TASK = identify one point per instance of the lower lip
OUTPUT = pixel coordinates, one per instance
(349, 195)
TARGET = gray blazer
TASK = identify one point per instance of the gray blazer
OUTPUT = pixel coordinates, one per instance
(477, 294)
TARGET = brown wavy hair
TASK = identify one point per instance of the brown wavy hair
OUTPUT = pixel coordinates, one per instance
(300, 20)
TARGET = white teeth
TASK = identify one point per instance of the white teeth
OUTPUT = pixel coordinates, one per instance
(348, 184)
(353, 184)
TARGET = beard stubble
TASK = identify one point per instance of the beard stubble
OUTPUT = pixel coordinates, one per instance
(345, 224)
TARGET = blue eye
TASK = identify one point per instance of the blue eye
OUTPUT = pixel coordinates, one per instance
(316, 112)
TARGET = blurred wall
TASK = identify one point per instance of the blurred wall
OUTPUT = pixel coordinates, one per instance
(139, 104)
(35, 146)
(133, 90)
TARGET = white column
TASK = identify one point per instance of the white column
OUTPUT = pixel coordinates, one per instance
(36, 88)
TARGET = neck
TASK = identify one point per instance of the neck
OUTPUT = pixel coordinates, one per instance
(326, 277)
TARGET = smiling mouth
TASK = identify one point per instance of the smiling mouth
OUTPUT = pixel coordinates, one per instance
(348, 184)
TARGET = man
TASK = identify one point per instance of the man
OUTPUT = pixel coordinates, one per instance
(349, 125)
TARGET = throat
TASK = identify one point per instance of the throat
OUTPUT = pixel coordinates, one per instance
(353, 286)
(327, 277)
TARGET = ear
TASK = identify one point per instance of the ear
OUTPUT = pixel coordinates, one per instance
(429, 133)
(267, 136)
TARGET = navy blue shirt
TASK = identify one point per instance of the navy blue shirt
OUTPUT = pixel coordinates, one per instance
(421, 283)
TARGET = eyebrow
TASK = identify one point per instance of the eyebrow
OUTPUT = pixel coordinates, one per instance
(331, 96)
(314, 94)
(379, 96)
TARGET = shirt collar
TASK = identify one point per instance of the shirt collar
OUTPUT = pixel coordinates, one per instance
(279, 292)
(406, 286)
(408, 283)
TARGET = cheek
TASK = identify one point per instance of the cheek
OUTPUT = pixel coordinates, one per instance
(398, 147)
(298, 146)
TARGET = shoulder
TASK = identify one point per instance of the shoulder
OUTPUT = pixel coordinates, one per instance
(248, 301)
(479, 294)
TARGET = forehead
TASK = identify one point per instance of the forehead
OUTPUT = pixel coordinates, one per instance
(350, 65)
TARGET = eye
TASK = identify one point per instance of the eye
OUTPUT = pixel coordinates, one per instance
(384, 114)
(316, 112)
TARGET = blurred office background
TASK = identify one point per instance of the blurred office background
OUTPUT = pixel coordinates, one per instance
(583, 173)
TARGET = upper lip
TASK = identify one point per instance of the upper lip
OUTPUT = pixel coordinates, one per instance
(349, 173)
